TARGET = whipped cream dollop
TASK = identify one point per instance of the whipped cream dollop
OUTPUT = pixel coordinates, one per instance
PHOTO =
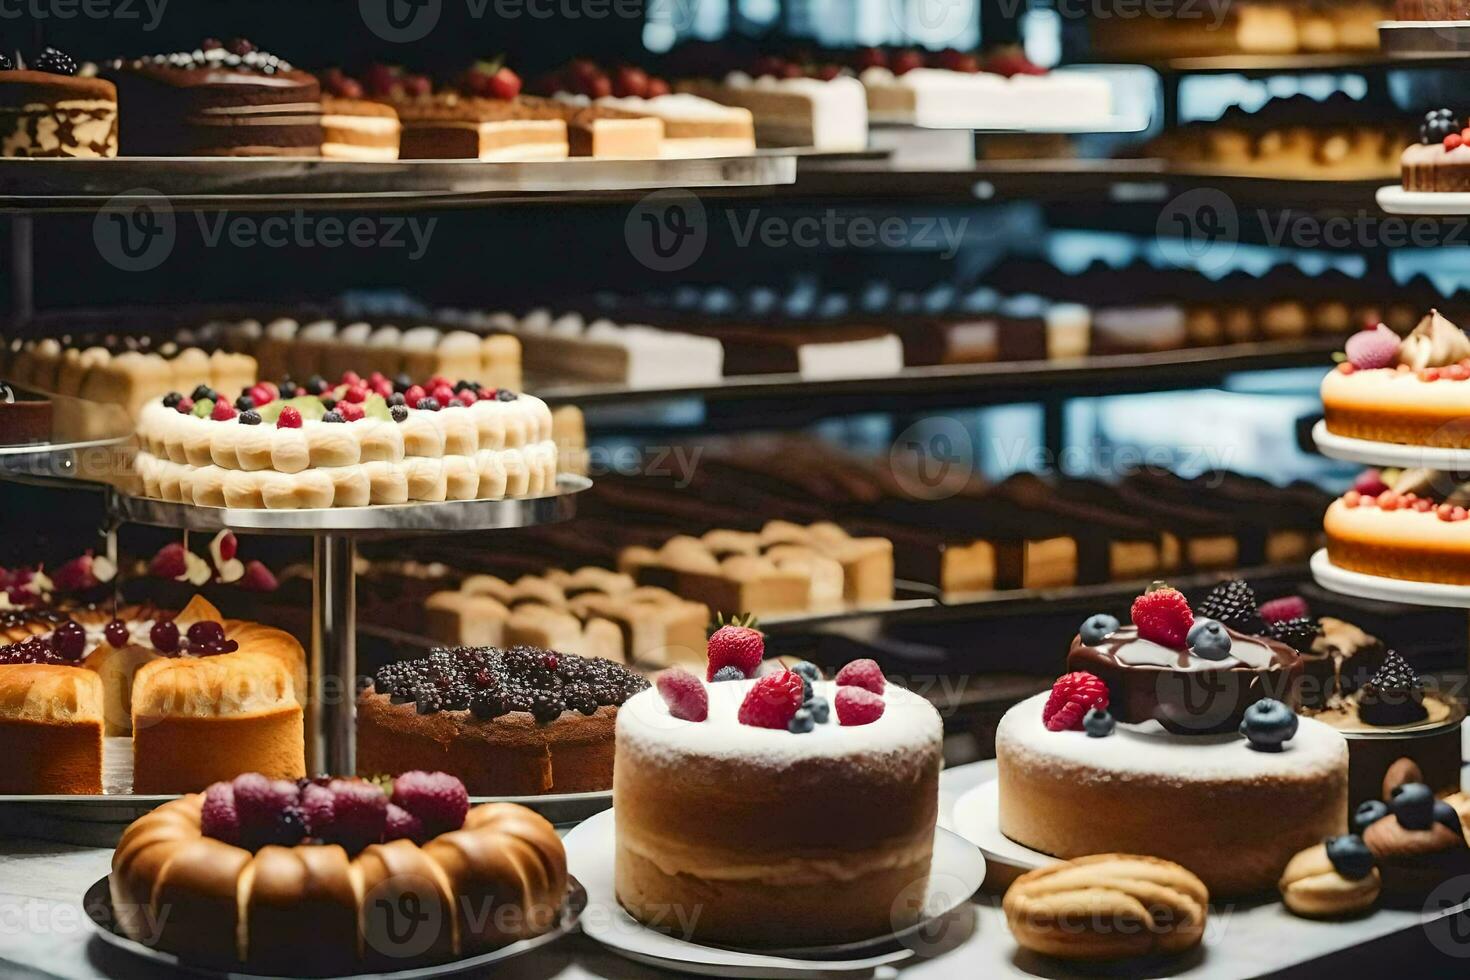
(1435, 342)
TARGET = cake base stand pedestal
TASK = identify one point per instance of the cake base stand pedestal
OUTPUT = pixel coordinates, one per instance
(331, 698)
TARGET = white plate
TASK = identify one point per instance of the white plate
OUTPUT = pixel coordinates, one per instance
(1396, 200)
(1329, 576)
(977, 819)
(1388, 453)
(958, 870)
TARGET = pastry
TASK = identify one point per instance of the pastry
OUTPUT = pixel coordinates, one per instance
(829, 114)
(48, 111)
(1440, 161)
(1331, 880)
(217, 101)
(511, 722)
(25, 417)
(1402, 391)
(1086, 768)
(201, 697)
(1417, 841)
(724, 794)
(1107, 907)
(271, 877)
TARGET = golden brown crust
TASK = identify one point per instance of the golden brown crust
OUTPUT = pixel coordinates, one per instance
(1107, 906)
(1312, 887)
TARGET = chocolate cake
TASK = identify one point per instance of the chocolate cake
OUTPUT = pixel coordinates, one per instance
(451, 126)
(48, 112)
(217, 101)
(25, 417)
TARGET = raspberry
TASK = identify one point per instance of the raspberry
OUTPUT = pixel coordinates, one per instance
(359, 811)
(1289, 607)
(260, 801)
(415, 394)
(862, 673)
(1072, 696)
(436, 798)
(1370, 483)
(169, 562)
(402, 825)
(317, 807)
(1371, 349)
(289, 418)
(735, 646)
(858, 706)
(219, 818)
(355, 395)
(683, 693)
(350, 411)
(1164, 617)
(223, 411)
(773, 701)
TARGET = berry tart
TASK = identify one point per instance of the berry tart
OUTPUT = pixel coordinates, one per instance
(726, 790)
(1417, 529)
(25, 417)
(517, 722)
(47, 110)
(362, 441)
(1404, 391)
(1087, 769)
(1440, 161)
(200, 696)
(308, 877)
(355, 127)
(217, 100)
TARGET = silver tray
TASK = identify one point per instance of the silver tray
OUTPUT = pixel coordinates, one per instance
(97, 903)
(449, 517)
(264, 183)
(1427, 39)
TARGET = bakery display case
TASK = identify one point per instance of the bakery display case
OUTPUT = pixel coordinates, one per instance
(819, 493)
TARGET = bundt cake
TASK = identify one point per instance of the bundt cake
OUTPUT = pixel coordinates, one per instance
(201, 696)
(517, 722)
(331, 876)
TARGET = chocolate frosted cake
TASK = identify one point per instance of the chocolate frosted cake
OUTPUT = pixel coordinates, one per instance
(48, 112)
(217, 101)
(516, 722)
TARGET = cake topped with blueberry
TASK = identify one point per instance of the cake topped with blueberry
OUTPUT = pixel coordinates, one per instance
(49, 109)
(509, 722)
(351, 443)
(219, 99)
(1440, 161)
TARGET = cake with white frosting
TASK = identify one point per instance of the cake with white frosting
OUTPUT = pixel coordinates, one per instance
(978, 100)
(1136, 750)
(725, 791)
(830, 114)
(357, 443)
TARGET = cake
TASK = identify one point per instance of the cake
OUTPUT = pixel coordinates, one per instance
(217, 101)
(359, 129)
(25, 417)
(693, 127)
(1415, 530)
(787, 809)
(200, 696)
(603, 131)
(1076, 779)
(362, 441)
(518, 722)
(958, 99)
(48, 111)
(1416, 841)
(274, 877)
(1440, 161)
(1404, 391)
(826, 114)
(450, 126)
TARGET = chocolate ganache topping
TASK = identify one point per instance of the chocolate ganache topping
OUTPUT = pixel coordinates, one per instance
(1184, 692)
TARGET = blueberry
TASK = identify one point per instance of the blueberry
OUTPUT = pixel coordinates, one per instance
(402, 383)
(1268, 724)
(808, 670)
(329, 403)
(506, 395)
(1098, 723)
(1413, 804)
(1368, 813)
(1209, 640)
(428, 405)
(399, 412)
(250, 417)
(201, 392)
(821, 710)
(244, 403)
(315, 385)
(1446, 814)
(806, 688)
(728, 674)
(1098, 628)
(801, 722)
(332, 417)
(289, 390)
(398, 399)
(172, 399)
(1350, 856)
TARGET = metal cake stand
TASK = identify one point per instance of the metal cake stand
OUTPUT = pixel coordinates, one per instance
(332, 668)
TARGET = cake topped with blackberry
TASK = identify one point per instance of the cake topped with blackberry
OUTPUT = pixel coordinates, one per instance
(1394, 695)
(522, 721)
(48, 110)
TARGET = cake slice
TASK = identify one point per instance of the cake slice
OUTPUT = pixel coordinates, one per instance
(602, 131)
(453, 126)
(829, 115)
(51, 727)
(359, 129)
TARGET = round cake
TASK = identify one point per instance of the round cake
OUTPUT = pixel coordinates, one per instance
(1418, 530)
(763, 832)
(48, 112)
(335, 876)
(518, 722)
(1440, 161)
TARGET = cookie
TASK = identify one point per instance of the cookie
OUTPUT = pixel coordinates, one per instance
(1107, 907)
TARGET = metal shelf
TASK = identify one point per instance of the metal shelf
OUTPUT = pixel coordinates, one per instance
(1256, 65)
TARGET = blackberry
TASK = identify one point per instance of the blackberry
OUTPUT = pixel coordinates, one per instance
(518, 700)
(1298, 633)
(579, 697)
(251, 417)
(398, 399)
(489, 703)
(56, 62)
(172, 399)
(506, 396)
(426, 699)
(460, 386)
(731, 673)
(1437, 124)
(547, 707)
(457, 696)
(332, 416)
(202, 392)
(290, 826)
(1233, 603)
(428, 405)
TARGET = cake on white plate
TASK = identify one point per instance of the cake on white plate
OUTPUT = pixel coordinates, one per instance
(693, 126)
(940, 97)
(829, 115)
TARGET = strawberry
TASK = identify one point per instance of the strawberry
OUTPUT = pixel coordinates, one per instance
(773, 701)
(862, 673)
(905, 61)
(1163, 616)
(258, 578)
(1072, 696)
(75, 576)
(684, 694)
(857, 706)
(630, 81)
(735, 646)
(289, 418)
(169, 562)
(870, 58)
(223, 411)
(657, 87)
